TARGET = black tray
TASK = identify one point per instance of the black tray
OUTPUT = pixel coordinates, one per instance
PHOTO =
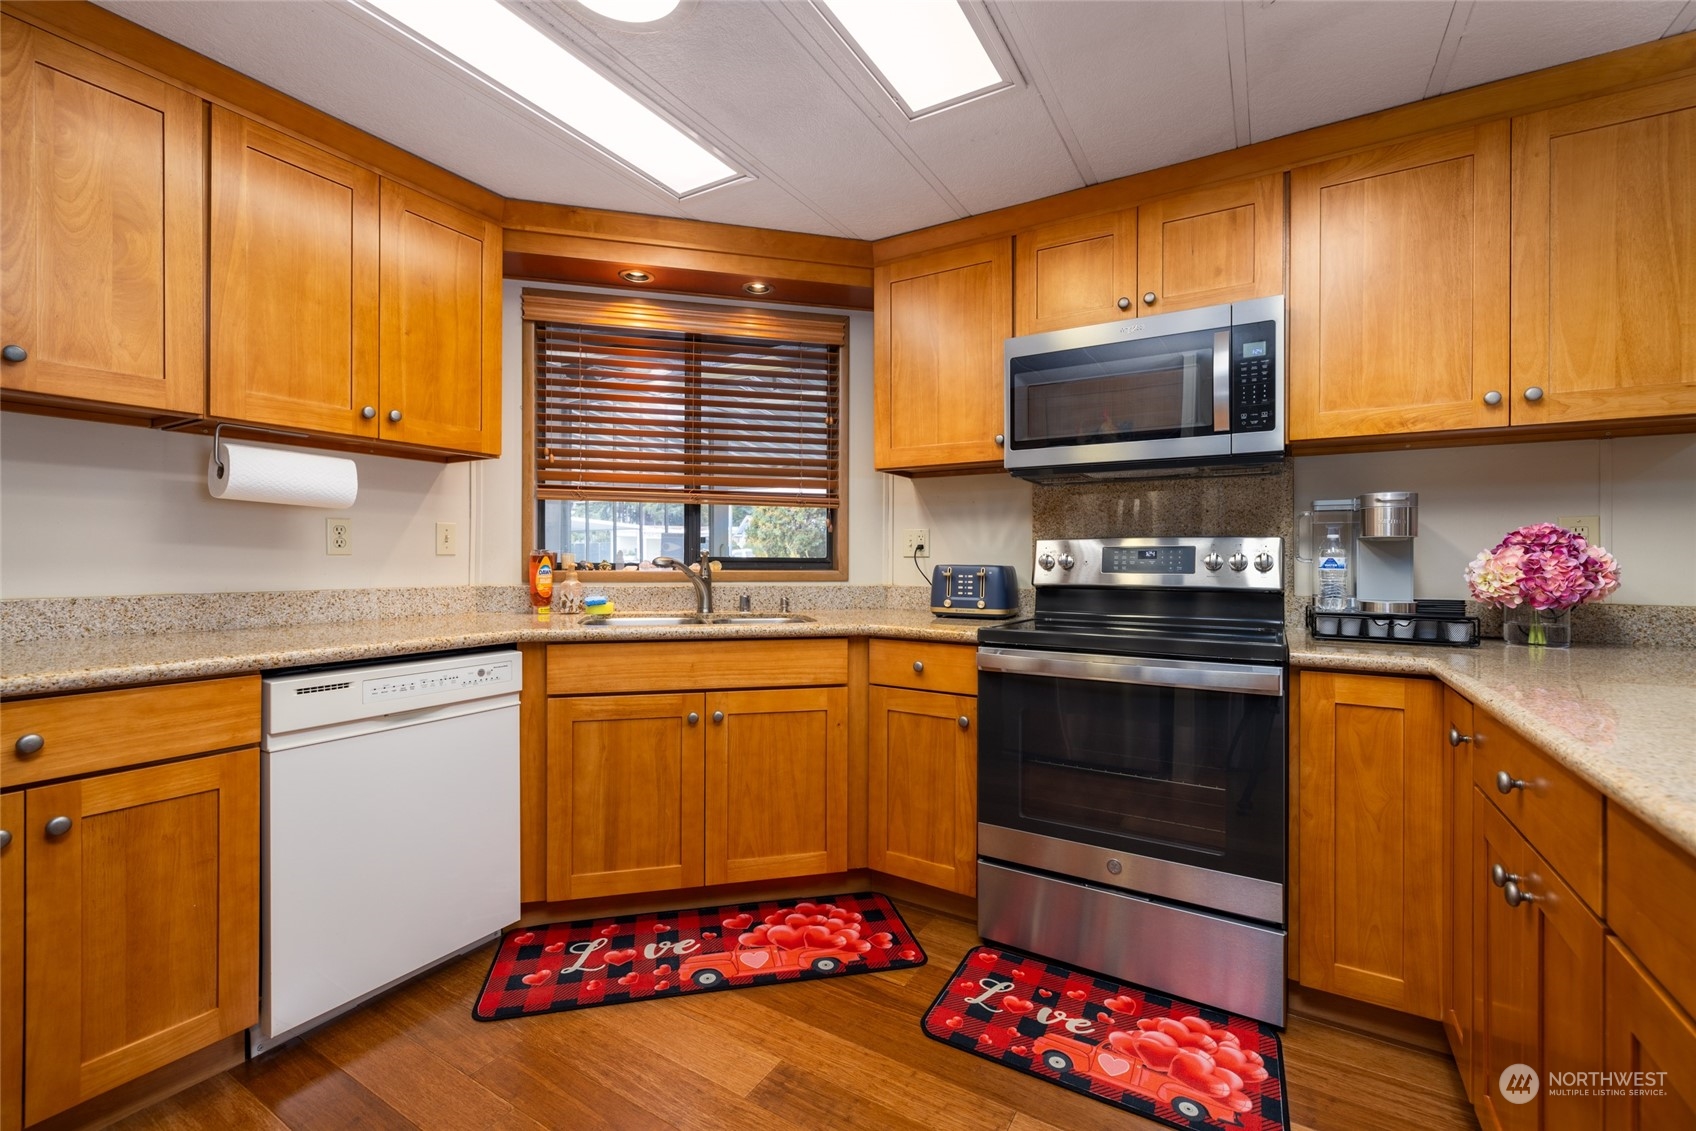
(1442, 640)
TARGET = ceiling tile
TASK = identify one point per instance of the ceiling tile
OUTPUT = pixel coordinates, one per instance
(1511, 39)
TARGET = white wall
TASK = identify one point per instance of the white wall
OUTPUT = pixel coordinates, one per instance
(972, 519)
(1643, 487)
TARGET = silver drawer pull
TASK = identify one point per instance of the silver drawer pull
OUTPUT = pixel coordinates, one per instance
(5, 837)
(394, 416)
(718, 716)
(1456, 737)
(58, 826)
(965, 723)
(1515, 896)
(29, 744)
(693, 718)
(1506, 783)
(1500, 875)
(918, 665)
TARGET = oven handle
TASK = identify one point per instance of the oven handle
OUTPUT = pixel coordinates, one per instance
(1247, 679)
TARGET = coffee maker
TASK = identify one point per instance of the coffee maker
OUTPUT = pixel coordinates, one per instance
(1377, 529)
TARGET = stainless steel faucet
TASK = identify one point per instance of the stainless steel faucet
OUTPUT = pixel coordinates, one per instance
(703, 581)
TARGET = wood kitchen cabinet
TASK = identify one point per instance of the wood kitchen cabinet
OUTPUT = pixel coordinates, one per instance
(1398, 299)
(1373, 829)
(103, 172)
(134, 892)
(940, 322)
(655, 784)
(1604, 258)
(1457, 991)
(922, 763)
(1647, 1032)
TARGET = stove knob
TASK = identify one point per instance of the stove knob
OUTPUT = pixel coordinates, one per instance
(1213, 562)
(1239, 562)
(1066, 561)
(1045, 560)
(1263, 562)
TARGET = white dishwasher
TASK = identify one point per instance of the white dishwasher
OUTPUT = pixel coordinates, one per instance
(389, 829)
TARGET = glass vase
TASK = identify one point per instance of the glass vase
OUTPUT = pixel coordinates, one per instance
(1537, 628)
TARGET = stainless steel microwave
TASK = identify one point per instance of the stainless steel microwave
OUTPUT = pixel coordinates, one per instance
(1197, 389)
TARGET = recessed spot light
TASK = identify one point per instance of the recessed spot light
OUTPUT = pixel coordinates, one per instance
(757, 288)
(927, 56)
(634, 276)
(632, 11)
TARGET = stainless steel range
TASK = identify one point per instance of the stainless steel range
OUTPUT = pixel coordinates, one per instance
(1132, 767)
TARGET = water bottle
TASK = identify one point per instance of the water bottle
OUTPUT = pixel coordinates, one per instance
(1334, 586)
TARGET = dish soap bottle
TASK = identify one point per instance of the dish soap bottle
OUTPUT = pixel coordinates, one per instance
(570, 589)
(541, 580)
(1333, 569)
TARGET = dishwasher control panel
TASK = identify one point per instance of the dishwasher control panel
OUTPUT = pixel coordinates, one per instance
(387, 689)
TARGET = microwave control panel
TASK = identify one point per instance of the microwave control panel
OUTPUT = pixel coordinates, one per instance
(1254, 381)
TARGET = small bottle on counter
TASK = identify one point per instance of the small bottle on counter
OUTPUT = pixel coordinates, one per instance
(541, 576)
(570, 589)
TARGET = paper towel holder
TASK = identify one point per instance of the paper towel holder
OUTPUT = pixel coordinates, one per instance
(217, 435)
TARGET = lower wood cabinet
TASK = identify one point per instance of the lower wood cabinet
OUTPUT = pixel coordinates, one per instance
(1648, 1034)
(1457, 993)
(1373, 828)
(922, 813)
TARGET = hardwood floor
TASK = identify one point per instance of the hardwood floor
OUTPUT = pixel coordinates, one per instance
(814, 1054)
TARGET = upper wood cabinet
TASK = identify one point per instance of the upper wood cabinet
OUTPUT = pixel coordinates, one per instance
(1604, 258)
(102, 235)
(440, 336)
(1398, 301)
(1201, 248)
(293, 284)
(941, 320)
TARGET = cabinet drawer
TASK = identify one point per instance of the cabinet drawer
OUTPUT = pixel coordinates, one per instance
(1652, 901)
(696, 665)
(1559, 814)
(952, 668)
(100, 730)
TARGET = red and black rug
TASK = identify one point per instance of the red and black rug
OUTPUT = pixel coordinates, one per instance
(1186, 1065)
(592, 962)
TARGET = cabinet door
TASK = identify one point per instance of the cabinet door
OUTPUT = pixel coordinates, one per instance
(1373, 828)
(1647, 1032)
(624, 794)
(441, 325)
(1537, 979)
(142, 938)
(923, 807)
(294, 282)
(1398, 311)
(941, 321)
(1604, 258)
(12, 960)
(777, 784)
(102, 170)
(1214, 245)
(1076, 273)
(1457, 992)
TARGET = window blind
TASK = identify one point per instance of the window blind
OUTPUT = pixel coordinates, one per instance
(682, 403)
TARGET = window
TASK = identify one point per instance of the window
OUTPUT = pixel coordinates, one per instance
(671, 428)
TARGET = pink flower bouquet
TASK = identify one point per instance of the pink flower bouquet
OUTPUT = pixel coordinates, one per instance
(1544, 566)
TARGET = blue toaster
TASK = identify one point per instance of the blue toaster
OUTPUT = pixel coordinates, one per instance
(974, 591)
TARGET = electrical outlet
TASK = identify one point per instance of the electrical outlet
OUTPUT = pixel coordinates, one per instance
(447, 539)
(1586, 526)
(338, 536)
(918, 542)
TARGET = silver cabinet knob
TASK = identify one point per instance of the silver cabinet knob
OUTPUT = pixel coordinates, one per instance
(58, 826)
(1263, 562)
(693, 718)
(1124, 303)
(29, 744)
(1456, 737)
(1213, 562)
(1238, 562)
(918, 665)
(965, 723)
(1500, 875)
(394, 416)
(718, 716)
(1492, 398)
(1506, 783)
(1534, 393)
(369, 412)
(1000, 440)
(1045, 560)
(5, 838)
(1148, 299)
(14, 353)
(1515, 895)
(1067, 561)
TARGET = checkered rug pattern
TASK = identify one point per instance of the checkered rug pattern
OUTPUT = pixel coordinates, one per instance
(560, 966)
(1186, 1065)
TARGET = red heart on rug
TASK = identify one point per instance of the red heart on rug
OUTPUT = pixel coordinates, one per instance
(1124, 1042)
(1112, 1065)
(883, 939)
(1016, 1004)
(817, 934)
(554, 948)
(540, 977)
(954, 1021)
(1020, 1050)
(738, 922)
(1021, 975)
(1195, 1070)
(836, 922)
(661, 971)
(806, 907)
(787, 937)
(1196, 1023)
(621, 957)
(660, 928)
(630, 979)
(1077, 995)
(662, 984)
(989, 1038)
(591, 985)
(709, 934)
(755, 959)
(859, 947)
(774, 918)
(793, 920)
(1123, 1004)
(525, 939)
(908, 953)
(608, 931)
(985, 957)
(1156, 1050)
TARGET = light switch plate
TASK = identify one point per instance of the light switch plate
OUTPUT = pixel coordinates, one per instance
(447, 539)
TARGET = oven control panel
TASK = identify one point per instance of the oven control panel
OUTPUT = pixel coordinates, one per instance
(1171, 563)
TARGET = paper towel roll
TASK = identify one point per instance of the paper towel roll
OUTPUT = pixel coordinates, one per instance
(276, 475)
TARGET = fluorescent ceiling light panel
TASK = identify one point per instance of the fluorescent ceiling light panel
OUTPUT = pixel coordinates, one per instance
(632, 11)
(491, 41)
(925, 52)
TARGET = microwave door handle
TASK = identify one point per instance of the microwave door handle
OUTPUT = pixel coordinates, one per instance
(1194, 675)
(1222, 382)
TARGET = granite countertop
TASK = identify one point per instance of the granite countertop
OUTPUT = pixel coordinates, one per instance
(1622, 718)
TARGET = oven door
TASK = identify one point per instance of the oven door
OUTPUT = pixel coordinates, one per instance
(1160, 776)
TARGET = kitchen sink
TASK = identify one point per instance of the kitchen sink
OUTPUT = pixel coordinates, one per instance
(759, 618)
(641, 620)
